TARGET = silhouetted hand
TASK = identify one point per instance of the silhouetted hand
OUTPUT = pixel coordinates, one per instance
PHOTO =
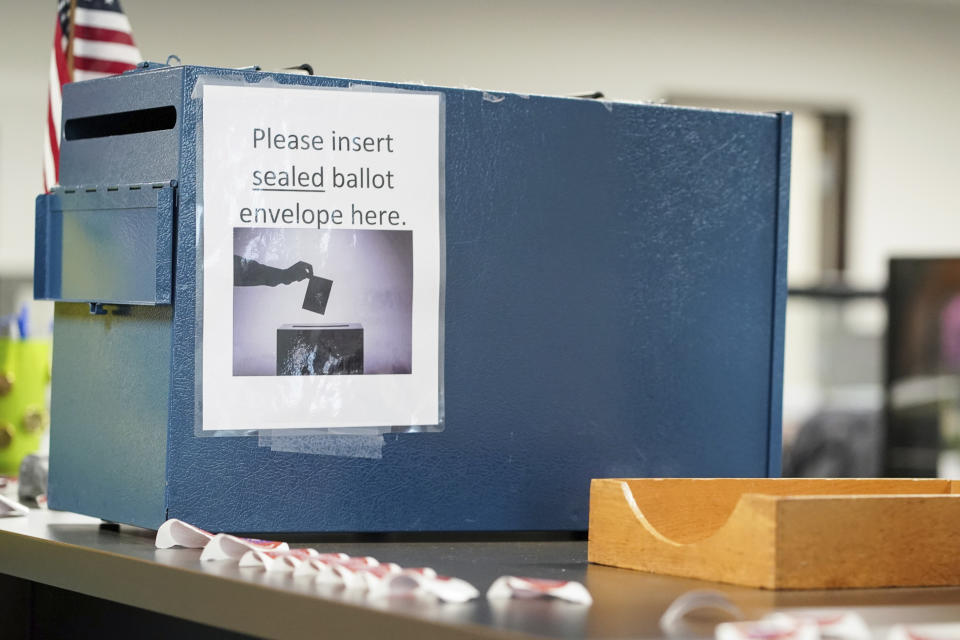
(299, 271)
(250, 273)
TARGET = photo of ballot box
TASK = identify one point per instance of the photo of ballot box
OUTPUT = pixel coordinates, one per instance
(613, 306)
(319, 349)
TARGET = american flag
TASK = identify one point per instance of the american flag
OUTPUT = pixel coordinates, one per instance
(101, 45)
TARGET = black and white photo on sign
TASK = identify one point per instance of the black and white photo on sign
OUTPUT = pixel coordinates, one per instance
(322, 301)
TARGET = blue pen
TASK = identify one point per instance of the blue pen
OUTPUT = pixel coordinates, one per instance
(23, 322)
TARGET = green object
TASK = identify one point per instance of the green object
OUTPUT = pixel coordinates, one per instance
(24, 415)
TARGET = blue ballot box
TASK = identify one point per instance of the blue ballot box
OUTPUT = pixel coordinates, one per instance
(577, 289)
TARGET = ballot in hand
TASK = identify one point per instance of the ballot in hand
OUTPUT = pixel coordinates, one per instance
(299, 271)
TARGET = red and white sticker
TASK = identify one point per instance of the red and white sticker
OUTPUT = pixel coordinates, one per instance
(373, 577)
(833, 625)
(224, 546)
(515, 587)
(177, 533)
(345, 573)
(924, 632)
(772, 628)
(361, 573)
(10, 507)
(313, 564)
(324, 568)
(424, 582)
(285, 561)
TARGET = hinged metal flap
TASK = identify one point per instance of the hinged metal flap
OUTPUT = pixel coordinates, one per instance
(105, 244)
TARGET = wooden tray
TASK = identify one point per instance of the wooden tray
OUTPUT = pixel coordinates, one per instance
(781, 533)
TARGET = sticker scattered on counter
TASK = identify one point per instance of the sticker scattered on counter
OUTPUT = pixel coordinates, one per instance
(285, 561)
(327, 573)
(838, 625)
(810, 624)
(177, 533)
(223, 546)
(319, 564)
(348, 573)
(424, 582)
(10, 508)
(701, 605)
(773, 628)
(321, 218)
(925, 632)
(514, 587)
(373, 577)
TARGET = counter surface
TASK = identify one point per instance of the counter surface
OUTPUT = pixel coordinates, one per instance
(77, 553)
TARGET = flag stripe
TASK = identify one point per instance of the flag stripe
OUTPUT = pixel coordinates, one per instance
(100, 5)
(84, 32)
(52, 136)
(53, 106)
(50, 165)
(59, 56)
(96, 64)
(105, 51)
(103, 19)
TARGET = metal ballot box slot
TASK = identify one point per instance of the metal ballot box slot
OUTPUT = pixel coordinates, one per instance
(614, 285)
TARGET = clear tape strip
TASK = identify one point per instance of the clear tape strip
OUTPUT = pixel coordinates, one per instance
(346, 446)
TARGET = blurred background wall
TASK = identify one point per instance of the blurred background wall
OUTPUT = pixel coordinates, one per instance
(875, 79)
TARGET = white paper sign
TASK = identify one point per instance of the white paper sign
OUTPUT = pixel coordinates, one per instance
(321, 258)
